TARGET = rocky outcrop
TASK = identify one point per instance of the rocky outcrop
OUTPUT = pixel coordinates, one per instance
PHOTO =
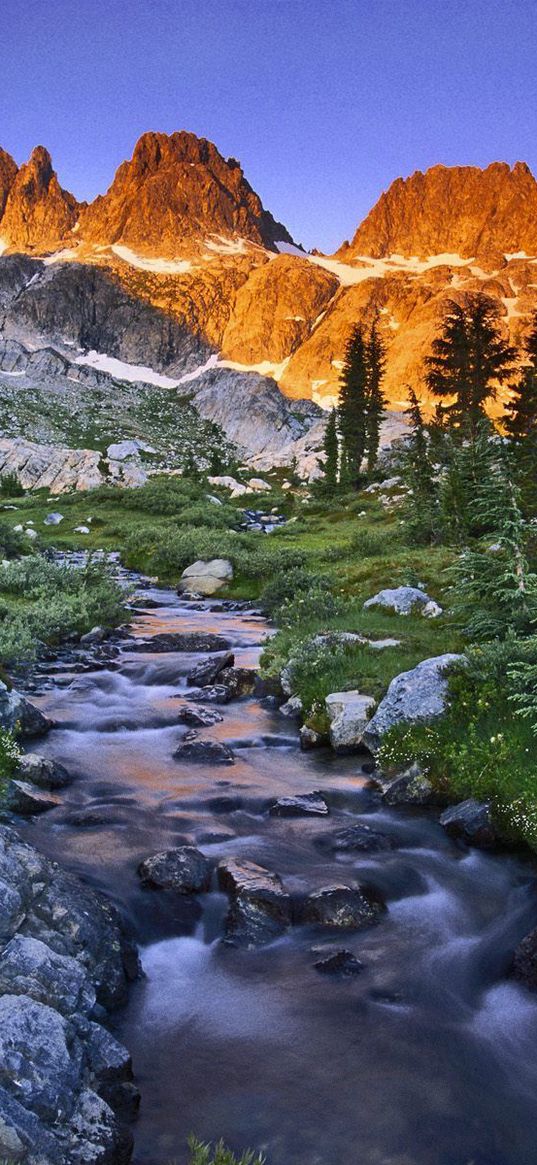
(177, 190)
(413, 696)
(62, 1075)
(37, 214)
(8, 173)
(403, 601)
(274, 310)
(57, 468)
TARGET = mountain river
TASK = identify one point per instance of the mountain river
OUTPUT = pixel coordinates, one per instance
(427, 1057)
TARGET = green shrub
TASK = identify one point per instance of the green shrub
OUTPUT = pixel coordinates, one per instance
(12, 542)
(371, 543)
(285, 586)
(10, 755)
(317, 603)
(202, 1154)
(10, 486)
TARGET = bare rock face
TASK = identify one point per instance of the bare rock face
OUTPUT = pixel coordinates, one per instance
(38, 213)
(8, 173)
(453, 209)
(275, 308)
(175, 191)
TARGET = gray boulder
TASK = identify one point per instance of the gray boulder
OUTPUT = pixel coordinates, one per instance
(29, 967)
(408, 788)
(348, 712)
(354, 838)
(472, 822)
(198, 716)
(413, 696)
(310, 738)
(43, 772)
(206, 578)
(400, 601)
(259, 910)
(239, 681)
(184, 869)
(17, 713)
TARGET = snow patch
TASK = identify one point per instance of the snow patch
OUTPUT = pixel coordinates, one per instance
(60, 256)
(224, 246)
(159, 266)
(210, 363)
(264, 368)
(123, 371)
(3, 245)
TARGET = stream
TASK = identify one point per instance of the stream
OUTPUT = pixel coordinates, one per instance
(427, 1057)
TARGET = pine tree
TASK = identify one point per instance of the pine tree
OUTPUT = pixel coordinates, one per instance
(420, 513)
(521, 422)
(361, 403)
(331, 452)
(468, 361)
(352, 409)
(376, 363)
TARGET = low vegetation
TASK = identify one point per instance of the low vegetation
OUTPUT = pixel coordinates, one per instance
(203, 1154)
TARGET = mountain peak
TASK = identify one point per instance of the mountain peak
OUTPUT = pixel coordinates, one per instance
(8, 172)
(460, 210)
(175, 191)
(37, 212)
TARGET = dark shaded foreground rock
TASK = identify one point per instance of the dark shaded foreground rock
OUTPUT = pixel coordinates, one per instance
(26, 799)
(215, 694)
(408, 788)
(239, 681)
(207, 670)
(62, 953)
(199, 717)
(184, 869)
(360, 838)
(339, 908)
(209, 752)
(340, 963)
(471, 821)
(259, 908)
(188, 641)
(17, 712)
(303, 805)
(524, 967)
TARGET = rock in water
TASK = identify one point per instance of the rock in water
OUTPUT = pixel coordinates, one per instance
(188, 641)
(210, 752)
(43, 772)
(198, 716)
(207, 670)
(205, 578)
(413, 696)
(525, 961)
(472, 822)
(339, 908)
(260, 910)
(239, 681)
(183, 868)
(303, 805)
(21, 797)
(360, 838)
(340, 963)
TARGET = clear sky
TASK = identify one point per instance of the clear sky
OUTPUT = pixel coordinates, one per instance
(324, 102)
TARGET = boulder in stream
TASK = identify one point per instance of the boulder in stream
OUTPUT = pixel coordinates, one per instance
(408, 788)
(239, 681)
(472, 822)
(260, 909)
(524, 967)
(198, 716)
(187, 641)
(337, 962)
(348, 712)
(355, 838)
(302, 805)
(204, 752)
(339, 908)
(43, 772)
(21, 797)
(206, 577)
(183, 868)
(207, 671)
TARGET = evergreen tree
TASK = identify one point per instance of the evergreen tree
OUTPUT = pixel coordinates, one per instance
(331, 452)
(468, 360)
(420, 512)
(352, 409)
(376, 364)
(361, 403)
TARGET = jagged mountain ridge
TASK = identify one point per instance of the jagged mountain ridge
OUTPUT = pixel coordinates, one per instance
(181, 230)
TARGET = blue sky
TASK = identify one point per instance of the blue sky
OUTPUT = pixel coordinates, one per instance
(324, 102)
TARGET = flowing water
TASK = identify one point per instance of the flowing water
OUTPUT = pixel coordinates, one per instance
(429, 1057)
